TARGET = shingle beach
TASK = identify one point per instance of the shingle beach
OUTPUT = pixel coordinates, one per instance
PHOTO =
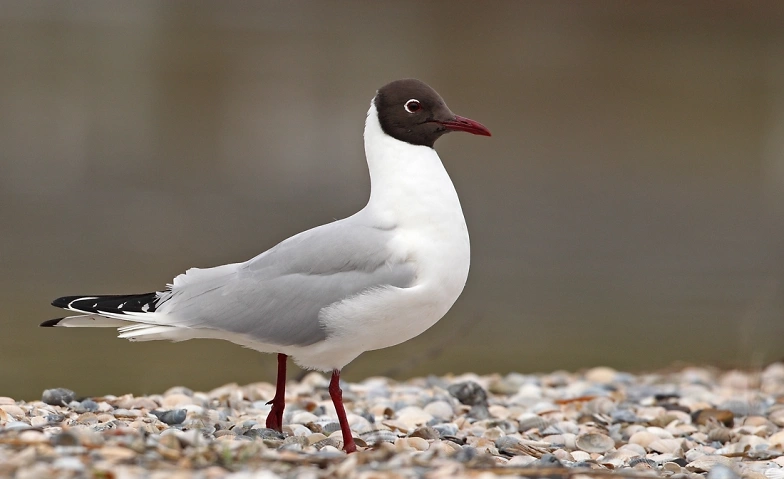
(600, 422)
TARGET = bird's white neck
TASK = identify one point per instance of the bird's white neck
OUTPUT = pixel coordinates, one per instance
(408, 183)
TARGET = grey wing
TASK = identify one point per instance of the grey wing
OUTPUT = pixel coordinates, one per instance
(276, 297)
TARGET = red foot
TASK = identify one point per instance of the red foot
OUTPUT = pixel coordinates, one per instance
(275, 416)
(337, 399)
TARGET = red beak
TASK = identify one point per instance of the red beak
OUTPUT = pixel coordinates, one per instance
(459, 123)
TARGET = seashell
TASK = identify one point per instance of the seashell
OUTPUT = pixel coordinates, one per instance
(679, 430)
(511, 446)
(315, 437)
(440, 409)
(379, 435)
(708, 462)
(601, 375)
(426, 432)
(620, 457)
(412, 417)
(13, 411)
(507, 427)
(710, 416)
(418, 443)
(642, 461)
(330, 442)
(720, 434)
(600, 405)
(594, 442)
(777, 439)
(117, 453)
(531, 421)
(521, 461)
(174, 401)
(295, 443)
(563, 456)
(667, 446)
(469, 393)
(446, 429)
(567, 441)
(581, 456)
(643, 438)
(753, 442)
(776, 415)
(493, 433)
(497, 411)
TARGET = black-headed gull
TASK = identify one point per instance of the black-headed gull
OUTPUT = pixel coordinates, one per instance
(373, 280)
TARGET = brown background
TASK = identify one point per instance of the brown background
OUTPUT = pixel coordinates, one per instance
(626, 212)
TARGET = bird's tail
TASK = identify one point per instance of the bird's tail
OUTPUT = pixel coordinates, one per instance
(103, 311)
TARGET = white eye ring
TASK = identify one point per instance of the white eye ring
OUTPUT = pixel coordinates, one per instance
(413, 105)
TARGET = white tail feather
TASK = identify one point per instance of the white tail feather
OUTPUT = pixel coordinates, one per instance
(90, 321)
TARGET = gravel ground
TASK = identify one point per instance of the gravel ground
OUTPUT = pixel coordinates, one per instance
(688, 423)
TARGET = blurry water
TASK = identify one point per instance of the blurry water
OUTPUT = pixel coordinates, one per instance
(627, 210)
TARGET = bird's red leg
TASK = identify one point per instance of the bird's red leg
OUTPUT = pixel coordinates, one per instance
(275, 417)
(337, 399)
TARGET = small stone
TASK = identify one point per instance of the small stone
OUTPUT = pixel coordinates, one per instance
(65, 439)
(58, 396)
(171, 417)
(479, 411)
(88, 405)
(705, 416)
(469, 393)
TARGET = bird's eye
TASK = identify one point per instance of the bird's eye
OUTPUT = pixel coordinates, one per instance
(413, 106)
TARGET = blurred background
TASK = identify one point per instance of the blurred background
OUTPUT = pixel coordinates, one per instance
(627, 211)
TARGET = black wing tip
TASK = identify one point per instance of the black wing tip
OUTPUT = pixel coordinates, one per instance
(64, 301)
(50, 323)
(113, 303)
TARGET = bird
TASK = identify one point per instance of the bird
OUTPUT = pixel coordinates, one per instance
(372, 280)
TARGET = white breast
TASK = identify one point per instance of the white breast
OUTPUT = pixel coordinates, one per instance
(412, 193)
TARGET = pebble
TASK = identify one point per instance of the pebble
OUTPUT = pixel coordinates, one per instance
(469, 393)
(677, 424)
(58, 396)
(172, 417)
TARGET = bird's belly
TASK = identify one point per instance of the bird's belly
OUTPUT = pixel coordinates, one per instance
(384, 317)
